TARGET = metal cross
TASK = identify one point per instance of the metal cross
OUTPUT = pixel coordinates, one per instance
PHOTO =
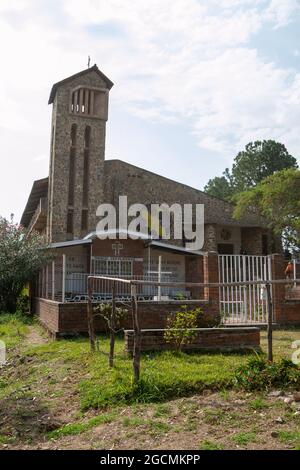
(117, 247)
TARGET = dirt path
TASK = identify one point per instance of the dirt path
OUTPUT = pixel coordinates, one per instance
(35, 336)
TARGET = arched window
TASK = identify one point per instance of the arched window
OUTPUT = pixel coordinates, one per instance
(72, 159)
(73, 135)
(85, 182)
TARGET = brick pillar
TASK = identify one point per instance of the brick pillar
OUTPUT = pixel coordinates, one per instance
(278, 266)
(211, 274)
(194, 273)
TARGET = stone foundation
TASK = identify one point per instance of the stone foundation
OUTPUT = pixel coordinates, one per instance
(207, 339)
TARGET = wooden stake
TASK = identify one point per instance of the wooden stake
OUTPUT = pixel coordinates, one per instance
(270, 323)
(112, 326)
(90, 317)
(136, 337)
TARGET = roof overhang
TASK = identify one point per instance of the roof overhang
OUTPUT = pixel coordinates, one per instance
(69, 243)
(38, 191)
(54, 88)
(155, 244)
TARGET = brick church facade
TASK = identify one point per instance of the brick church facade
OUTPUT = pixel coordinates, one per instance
(63, 206)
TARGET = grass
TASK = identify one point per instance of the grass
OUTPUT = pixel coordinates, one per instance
(290, 437)
(258, 404)
(164, 375)
(244, 438)
(74, 429)
(210, 445)
(13, 328)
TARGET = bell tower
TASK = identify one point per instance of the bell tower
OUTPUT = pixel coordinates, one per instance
(79, 115)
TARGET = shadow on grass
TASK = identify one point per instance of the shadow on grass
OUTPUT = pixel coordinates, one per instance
(24, 418)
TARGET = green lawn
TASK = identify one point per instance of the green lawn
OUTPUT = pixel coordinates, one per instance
(163, 374)
(63, 381)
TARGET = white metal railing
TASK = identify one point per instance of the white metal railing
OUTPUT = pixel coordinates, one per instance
(248, 303)
(76, 288)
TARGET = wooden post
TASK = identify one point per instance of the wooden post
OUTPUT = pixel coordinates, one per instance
(137, 335)
(112, 326)
(270, 323)
(90, 318)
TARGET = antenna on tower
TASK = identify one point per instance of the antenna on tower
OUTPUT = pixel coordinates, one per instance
(89, 62)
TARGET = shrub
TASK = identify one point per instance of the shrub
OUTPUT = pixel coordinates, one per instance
(180, 326)
(260, 374)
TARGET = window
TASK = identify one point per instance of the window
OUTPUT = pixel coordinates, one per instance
(86, 158)
(89, 102)
(84, 219)
(70, 221)
(112, 266)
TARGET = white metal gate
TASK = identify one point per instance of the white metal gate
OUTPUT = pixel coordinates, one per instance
(244, 304)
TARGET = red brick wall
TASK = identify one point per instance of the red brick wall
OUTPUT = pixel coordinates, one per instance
(48, 313)
(207, 339)
(287, 312)
(70, 318)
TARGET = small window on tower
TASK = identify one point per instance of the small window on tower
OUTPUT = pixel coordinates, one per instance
(70, 221)
(87, 136)
(84, 219)
(73, 135)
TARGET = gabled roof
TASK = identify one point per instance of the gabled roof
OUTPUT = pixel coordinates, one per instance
(38, 191)
(108, 82)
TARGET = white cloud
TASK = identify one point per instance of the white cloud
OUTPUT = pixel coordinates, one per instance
(176, 61)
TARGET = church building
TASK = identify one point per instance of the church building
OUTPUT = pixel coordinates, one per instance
(63, 205)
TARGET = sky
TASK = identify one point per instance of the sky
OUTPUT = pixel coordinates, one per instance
(195, 81)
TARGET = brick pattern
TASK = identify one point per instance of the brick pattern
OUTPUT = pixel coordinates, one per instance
(71, 318)
(287, 312)
(222, 339)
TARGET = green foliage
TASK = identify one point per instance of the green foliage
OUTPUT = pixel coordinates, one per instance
(180, 327)
(259, 374)
(74, 429)
(105, 311)
(244, 438)
(220, 187)
(13, 328)
(259, 160)
(21, 257)
(278, 200)
(209, 445)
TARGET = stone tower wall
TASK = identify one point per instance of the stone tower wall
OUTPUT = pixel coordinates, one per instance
(62, 121)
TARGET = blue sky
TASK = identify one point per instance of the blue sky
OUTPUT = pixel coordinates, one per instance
(194, 81)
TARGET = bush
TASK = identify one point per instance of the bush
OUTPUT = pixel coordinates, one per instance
(260, 374)
(180, 328)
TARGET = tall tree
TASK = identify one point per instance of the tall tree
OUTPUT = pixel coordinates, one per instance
(21, 257)
(277, 198)
(259, 160)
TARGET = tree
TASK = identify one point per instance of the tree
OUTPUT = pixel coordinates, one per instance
(259, 160)
(219, 187)
(21, 257)
(277, 197)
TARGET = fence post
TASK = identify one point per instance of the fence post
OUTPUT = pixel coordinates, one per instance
(137, 335)
(270, 323)
(211, 275)
(90, 317)
(63, 295)
(53, 280)
(112, 326)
